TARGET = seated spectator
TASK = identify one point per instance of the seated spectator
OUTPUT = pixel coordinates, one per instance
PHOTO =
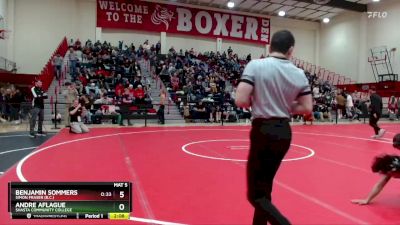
(137, 82)
(317, 113)
(91, 87)
(139, 95)
(229, 112)
(326, 112)
(76, 114)
(86, 116)
(175, 82)
(119, 87)
(127, 97)
(118, 97)
(216, 113)
(104, 100)
(200, 111)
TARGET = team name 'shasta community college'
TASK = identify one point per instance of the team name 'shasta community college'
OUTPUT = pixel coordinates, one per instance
(155, 17)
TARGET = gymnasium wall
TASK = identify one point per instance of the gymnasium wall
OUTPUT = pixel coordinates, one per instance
(3, 44)
(345, 42)
(41, 24)
(341, 44)
(385, 31)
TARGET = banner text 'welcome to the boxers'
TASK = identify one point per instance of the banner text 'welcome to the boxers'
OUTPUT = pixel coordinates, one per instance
(156, 17)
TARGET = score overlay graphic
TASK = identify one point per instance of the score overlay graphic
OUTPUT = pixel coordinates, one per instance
(70, 200)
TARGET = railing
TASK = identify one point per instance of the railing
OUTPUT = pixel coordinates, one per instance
(322, 73)
(22, 112)
(47, 73)
(7, 65)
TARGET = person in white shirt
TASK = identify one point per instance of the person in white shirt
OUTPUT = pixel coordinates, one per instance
(349, 106)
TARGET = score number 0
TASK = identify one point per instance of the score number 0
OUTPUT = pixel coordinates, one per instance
(121, 195)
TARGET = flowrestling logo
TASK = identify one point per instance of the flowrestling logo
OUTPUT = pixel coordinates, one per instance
(162, 15)
(377, 15)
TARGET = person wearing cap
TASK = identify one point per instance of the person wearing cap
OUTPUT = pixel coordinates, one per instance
(274, 88)
(388, 166)
(38, 109)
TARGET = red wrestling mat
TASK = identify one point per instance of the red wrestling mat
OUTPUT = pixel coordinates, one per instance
(196, 175)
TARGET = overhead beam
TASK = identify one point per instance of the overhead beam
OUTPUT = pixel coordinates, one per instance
(343, 4)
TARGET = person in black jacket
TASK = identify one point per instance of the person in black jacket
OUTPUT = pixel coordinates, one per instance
(38, 109)
(375, 113)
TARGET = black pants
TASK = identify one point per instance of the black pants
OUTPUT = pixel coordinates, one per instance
(161, 114)
(269, 143)
(373, 122)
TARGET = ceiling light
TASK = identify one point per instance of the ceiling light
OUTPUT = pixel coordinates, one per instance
(376, 0)
(230, 4)
(282, 13)
(326, 20)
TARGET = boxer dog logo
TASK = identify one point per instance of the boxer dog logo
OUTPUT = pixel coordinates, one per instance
(162, 15)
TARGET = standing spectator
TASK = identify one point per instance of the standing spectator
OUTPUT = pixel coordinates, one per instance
(76, 114)
(375, 113)
(57, 63)
(349, 106)
(161, 109)
(274, 88)
(38, 109)
(158, 47)
(70, 95)
(392, 105)
(341, 105)
(73, 61)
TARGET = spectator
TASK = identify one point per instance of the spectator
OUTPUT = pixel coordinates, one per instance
(73, 61)
(104, 100)
(341, 105)
(76, 113)
(57, 63)
(175, 82)
(392, 105)
(38, 109)
(70, 95)
(349, 106)
(139, 95)
(92, 88)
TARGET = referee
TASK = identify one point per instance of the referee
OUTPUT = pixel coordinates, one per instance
(274, 88)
